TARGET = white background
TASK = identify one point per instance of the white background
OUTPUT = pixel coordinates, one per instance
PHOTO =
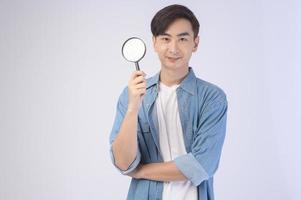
(61, 72)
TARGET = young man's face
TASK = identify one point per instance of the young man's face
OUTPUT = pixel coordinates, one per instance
(175, 46)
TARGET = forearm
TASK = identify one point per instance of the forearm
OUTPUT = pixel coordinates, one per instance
(166, 171)
(125, 145)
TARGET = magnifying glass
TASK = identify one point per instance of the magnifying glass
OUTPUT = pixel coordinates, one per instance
(133, 50)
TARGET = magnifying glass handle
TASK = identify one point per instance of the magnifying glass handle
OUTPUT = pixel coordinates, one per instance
(137, 66)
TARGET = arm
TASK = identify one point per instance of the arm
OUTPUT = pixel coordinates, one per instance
(124, 145)
(166, 171)
(201, 163)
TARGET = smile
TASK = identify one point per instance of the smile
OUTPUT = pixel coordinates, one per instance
(173, 59)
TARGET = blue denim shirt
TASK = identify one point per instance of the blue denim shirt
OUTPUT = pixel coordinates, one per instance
(203, 114)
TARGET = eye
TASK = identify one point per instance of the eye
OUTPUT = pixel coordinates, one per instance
(183, 39)
(165, 39)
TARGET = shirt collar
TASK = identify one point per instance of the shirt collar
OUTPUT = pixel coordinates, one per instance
(187, 84)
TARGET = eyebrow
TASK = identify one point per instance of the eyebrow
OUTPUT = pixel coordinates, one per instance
(180, 34)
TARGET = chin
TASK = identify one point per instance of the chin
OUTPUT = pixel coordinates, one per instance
(173, 67)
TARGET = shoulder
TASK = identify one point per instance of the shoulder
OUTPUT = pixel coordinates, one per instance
(210, 93)
(123, 97)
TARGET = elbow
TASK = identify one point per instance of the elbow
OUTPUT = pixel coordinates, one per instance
(122, 165)
(120, 162)
(125, 164)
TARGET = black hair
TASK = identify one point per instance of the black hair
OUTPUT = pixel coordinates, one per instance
(166, 16)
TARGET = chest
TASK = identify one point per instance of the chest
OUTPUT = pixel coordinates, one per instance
(149, 129)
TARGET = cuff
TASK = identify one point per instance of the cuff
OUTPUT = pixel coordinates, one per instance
(191, 168)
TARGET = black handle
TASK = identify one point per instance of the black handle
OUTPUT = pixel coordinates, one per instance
(137, 66)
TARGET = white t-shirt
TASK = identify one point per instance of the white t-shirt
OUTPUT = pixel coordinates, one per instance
(172, 142)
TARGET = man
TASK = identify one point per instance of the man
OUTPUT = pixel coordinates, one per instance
(169, 130)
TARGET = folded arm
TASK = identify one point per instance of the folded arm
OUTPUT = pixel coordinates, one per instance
(166, 171)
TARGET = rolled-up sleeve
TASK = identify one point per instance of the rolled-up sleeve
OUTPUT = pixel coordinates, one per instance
(120, 113)
(202, 162)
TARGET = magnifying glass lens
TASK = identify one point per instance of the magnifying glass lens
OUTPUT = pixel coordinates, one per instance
(133, 50)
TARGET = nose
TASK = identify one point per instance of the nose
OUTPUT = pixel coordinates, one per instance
(173, 47)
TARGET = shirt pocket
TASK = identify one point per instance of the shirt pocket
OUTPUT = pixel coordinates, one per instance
(145, 128)
(145, 142)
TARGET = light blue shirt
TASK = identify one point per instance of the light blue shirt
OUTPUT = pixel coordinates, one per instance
(203, 113)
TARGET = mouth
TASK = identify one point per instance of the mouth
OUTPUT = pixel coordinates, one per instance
(173, 59)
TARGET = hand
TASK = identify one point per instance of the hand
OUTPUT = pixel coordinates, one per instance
(136, 90)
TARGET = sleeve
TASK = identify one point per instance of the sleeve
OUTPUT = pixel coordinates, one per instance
(120, 113)
(202, 162)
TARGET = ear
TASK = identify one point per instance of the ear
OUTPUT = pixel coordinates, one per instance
(154, 43)
(196, 43)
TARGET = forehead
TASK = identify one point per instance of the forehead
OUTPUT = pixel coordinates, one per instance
(179, 26)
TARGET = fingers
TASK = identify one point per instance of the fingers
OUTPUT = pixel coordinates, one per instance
(137, 89)
(141, 85)
(137, 83)
(138, 80)
(137, 73)
(137, 77)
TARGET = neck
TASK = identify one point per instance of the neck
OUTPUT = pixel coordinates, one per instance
(172, 77)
